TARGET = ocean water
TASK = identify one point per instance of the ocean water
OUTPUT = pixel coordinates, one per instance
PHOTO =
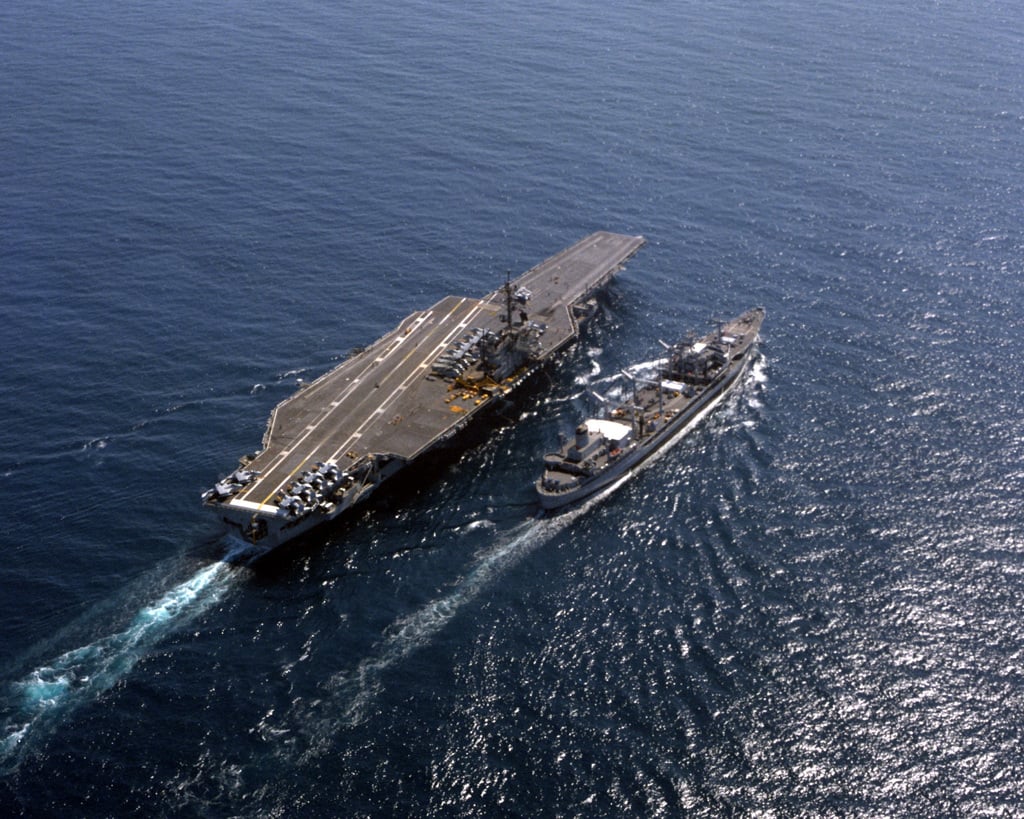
(811, 606)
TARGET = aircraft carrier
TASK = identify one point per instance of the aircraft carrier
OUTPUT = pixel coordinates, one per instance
(332, 444)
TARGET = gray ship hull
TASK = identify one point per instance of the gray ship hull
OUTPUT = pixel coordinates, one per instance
(607, 453)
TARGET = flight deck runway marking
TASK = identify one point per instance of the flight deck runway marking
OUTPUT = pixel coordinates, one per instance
(311, 428)
(375, 365)
(418, 370)
(473, 312)
(476, 309)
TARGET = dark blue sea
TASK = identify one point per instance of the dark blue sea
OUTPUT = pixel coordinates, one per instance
(812, 606)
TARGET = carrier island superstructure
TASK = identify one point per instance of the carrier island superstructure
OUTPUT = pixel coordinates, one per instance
(332, 444)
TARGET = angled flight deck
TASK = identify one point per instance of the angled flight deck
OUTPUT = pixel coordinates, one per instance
(331, 444)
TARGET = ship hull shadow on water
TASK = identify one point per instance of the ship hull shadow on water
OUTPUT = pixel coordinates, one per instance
(607, 451)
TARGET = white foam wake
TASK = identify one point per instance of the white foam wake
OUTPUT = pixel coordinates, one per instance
(352, 691)
(55, 687)
(416, 629)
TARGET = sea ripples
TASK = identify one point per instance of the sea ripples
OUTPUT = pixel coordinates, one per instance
(809, 606)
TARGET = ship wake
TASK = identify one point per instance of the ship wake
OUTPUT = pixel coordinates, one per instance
(351, 693)
(34, 705)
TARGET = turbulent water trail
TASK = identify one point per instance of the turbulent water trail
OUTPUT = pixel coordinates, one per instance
(417, 628)
(34, 704)
(352, 691)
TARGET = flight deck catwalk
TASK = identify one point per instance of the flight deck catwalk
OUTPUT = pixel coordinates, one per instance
(329, 446)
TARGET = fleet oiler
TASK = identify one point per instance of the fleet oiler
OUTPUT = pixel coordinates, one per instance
(695, 377)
